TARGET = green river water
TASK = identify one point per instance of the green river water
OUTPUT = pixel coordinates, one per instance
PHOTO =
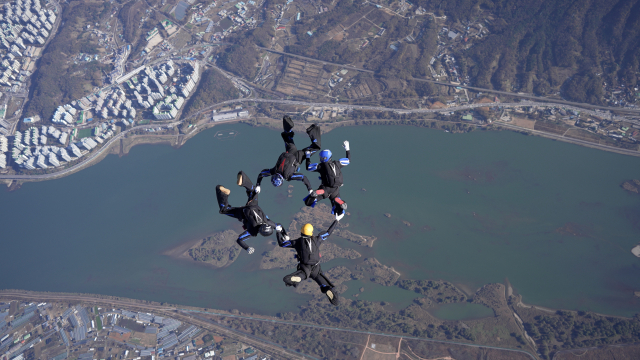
(483, 206)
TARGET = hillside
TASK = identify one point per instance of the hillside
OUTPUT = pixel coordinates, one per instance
(542, 46)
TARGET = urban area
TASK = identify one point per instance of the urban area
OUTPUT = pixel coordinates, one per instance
(65, 331)
(158, 63)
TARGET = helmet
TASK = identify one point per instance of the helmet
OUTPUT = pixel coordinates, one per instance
(277, 180)
(266, 230)
(325, 155)
(307, 230)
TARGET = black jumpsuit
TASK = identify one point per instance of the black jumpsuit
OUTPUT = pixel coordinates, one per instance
(239, 212)
(308, 254)
(299, 155)
(330, 187)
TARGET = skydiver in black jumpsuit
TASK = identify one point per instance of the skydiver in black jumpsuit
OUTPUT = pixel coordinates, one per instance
(253, 219)
(331, 177)
(289, 161)
(307, 247)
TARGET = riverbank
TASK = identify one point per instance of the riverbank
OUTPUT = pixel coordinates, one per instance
(124, 145)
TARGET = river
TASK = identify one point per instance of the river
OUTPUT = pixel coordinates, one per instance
(483, 206)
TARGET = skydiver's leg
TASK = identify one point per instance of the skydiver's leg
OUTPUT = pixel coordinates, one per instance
(222, 193)
(301, 177)
(245, 182)
(321, 193)
(287, 123)
(338, 205)
(289, 145)
(315, 134)
(325, 286)
(295, 278)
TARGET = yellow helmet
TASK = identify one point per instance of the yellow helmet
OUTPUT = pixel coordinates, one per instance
(307, 230)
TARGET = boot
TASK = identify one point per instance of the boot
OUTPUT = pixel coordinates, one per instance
(310, 201)
(244, 181)
(222, 194)
(287, 123)
(332, 296)
(315, 134)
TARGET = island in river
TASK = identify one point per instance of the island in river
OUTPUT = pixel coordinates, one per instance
(220, 249)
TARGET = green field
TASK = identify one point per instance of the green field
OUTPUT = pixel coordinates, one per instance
(83, 133)
(98, 321)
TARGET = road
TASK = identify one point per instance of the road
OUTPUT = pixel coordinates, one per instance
(570, 140)
(88, 160)
(13, 295)
(524, 96)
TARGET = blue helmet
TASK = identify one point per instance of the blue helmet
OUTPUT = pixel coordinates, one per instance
(277, 180)
(325, 155)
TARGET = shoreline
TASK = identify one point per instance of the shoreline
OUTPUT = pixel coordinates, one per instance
(14, 181)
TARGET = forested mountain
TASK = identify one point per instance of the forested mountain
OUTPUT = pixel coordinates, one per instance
(539, 45)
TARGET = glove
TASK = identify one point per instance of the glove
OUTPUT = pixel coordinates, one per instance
(250, 250)
(345, 144)
(278, 228)
(312, 193)
(338, 217)
(258, 189)
(307, 154)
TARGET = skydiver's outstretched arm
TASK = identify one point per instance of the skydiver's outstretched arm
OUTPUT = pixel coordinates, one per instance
(270, 222)
(326, 234)
(309, 165)
(346, 161)
(265, 173)
(301, 177)
(284, 240)
(245, 235)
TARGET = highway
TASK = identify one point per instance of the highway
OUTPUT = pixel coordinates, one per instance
(23, 295)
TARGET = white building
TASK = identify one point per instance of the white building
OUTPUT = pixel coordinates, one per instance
(64, 155)
(41, 162)
(74, 150)
(53, 160)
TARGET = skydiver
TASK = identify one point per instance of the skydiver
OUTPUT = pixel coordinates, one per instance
(331, 177)
(289, 161)
(254, 221)
(307, 247)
